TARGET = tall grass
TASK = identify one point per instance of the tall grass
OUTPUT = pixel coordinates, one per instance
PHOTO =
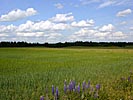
(26, 73)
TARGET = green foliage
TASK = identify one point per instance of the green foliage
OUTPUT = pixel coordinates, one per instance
(28, 73)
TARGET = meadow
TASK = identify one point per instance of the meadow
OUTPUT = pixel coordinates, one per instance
(28, 73)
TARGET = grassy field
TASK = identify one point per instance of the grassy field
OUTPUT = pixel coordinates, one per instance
(26, 72)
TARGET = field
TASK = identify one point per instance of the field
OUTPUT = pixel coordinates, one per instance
(28, 73)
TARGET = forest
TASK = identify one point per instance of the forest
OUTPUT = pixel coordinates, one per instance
(66, 44)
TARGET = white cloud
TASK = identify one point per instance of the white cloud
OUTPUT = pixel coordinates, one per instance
(101, 34)
(84, 34)
(6, 29)
(52, 30)
(107, 3)
(17, 15)
(62, 17)
(124, 13)
(83, 23)
(41, 26)
(117, 35)
(105, 33)
(59, 6)
(85, 2)
(49, 30)
(107, 28)
(30, 34)
(53, 37)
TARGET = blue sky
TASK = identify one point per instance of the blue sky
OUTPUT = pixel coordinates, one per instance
(66, 20)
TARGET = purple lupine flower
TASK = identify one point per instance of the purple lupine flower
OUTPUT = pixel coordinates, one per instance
(98, 87)
(41, 97)
(84, 85)
(78, 88)
(52, 90)
(70, 86)
(73, 84)
(57, 93)
(65, 89)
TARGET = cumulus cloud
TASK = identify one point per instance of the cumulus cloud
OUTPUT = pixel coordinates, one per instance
(17, 15)
(53, 29)
(101, 34)
(6, 29)
(84, 32)
(117, 35)
(83, 23)
(124, 13)
(62, 17)
(47, 25)
(107, 28)
(59, 6)
(106, 32)
(30, 34)
(46, 29)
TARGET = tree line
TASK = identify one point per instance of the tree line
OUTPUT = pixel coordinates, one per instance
(66, 44)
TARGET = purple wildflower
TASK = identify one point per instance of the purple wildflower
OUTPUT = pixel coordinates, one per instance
(42, 98)
(78, 88)
(52, 90)
(73, 84)
(57, 93)
(70, 86)
(98, 86)
(65, 89)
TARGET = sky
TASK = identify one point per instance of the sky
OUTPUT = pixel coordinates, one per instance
(66, 20)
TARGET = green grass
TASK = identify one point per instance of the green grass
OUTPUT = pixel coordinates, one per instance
(26, 72)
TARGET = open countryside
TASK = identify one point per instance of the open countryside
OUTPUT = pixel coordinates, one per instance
(27, 73)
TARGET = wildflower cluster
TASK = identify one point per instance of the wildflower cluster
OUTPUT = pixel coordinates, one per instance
(121, 89)
(73, 91)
